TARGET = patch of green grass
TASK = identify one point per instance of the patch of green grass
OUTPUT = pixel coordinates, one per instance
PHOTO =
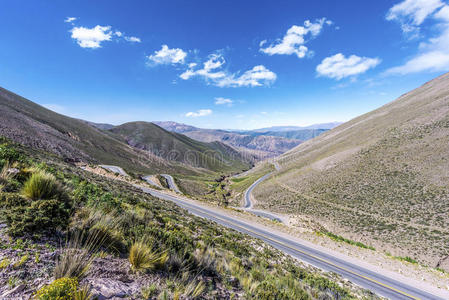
(238, 179)
(339, 238)
(21, 261)
(407, 259)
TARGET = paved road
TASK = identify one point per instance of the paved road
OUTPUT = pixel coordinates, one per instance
(381, 284)
(150, 181)
(171, 183)
(114, 169)
(248, 206)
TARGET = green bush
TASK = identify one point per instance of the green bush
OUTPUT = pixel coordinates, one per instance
(141, 257)
(61, 289)
(24, 216)
(281, 289)
(8, 153)
(41, 185)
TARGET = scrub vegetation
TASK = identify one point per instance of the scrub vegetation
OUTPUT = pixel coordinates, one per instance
(101, 232)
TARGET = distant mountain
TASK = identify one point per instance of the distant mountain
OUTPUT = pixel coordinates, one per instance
(175, 127)
(173, 146)
(102, 126)
(300, 134)
(295, 128)
(381, 178)
(255, 146)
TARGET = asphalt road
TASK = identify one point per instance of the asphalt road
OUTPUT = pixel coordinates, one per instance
(150, 181)
(114, 169)
(248, 206)
(171, 183)
(379, 283)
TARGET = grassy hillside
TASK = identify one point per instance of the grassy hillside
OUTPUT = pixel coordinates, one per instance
(64, 231)
(33, 125)
(381, 178)
(173, 146)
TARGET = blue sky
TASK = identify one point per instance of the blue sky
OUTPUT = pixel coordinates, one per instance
(220, 64)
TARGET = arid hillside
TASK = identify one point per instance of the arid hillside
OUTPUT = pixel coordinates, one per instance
(381, 178)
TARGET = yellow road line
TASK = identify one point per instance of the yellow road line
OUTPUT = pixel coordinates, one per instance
(298, 250)
(315, 257)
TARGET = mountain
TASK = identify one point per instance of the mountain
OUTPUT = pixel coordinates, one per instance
(257, 146)
(381, 178)
(175, 127)
(299, 134)
(102, 126)
(75, 140)
(173, 146)
(294, 128)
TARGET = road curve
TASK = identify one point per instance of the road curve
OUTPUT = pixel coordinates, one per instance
(381, 284)
(171, 183)
(248, 206)
(114, 169)
(149, 180)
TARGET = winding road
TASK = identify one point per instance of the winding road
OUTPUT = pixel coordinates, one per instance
(171, 183)
(393, 286)
(248, 206)
(379, 281)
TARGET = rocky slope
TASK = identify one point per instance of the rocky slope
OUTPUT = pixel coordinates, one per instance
(381, 178)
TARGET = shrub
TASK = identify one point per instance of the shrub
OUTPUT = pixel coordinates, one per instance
(61, 289)
(142, 257)
(78, 254)
(148, 292)
(195, 289)
(27, 217)
(41, 185)
(4, 263)
(83, 293)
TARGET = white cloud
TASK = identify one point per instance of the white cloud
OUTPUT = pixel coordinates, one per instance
(223, 101)
(413, 11)
(212, 72)
(132, 39)
(294, 40)
(95, 36)
(443, 13)
(199, 113)
(257, 76)
(433, 54)
(167, 56)
(91, 37)
(70, 19)
(429, 61)
(338, 66)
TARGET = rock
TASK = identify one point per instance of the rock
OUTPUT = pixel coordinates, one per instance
(15, 290)
(13, 171)
(105, 288)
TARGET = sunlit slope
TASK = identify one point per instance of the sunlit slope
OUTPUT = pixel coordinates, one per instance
(382, 177)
